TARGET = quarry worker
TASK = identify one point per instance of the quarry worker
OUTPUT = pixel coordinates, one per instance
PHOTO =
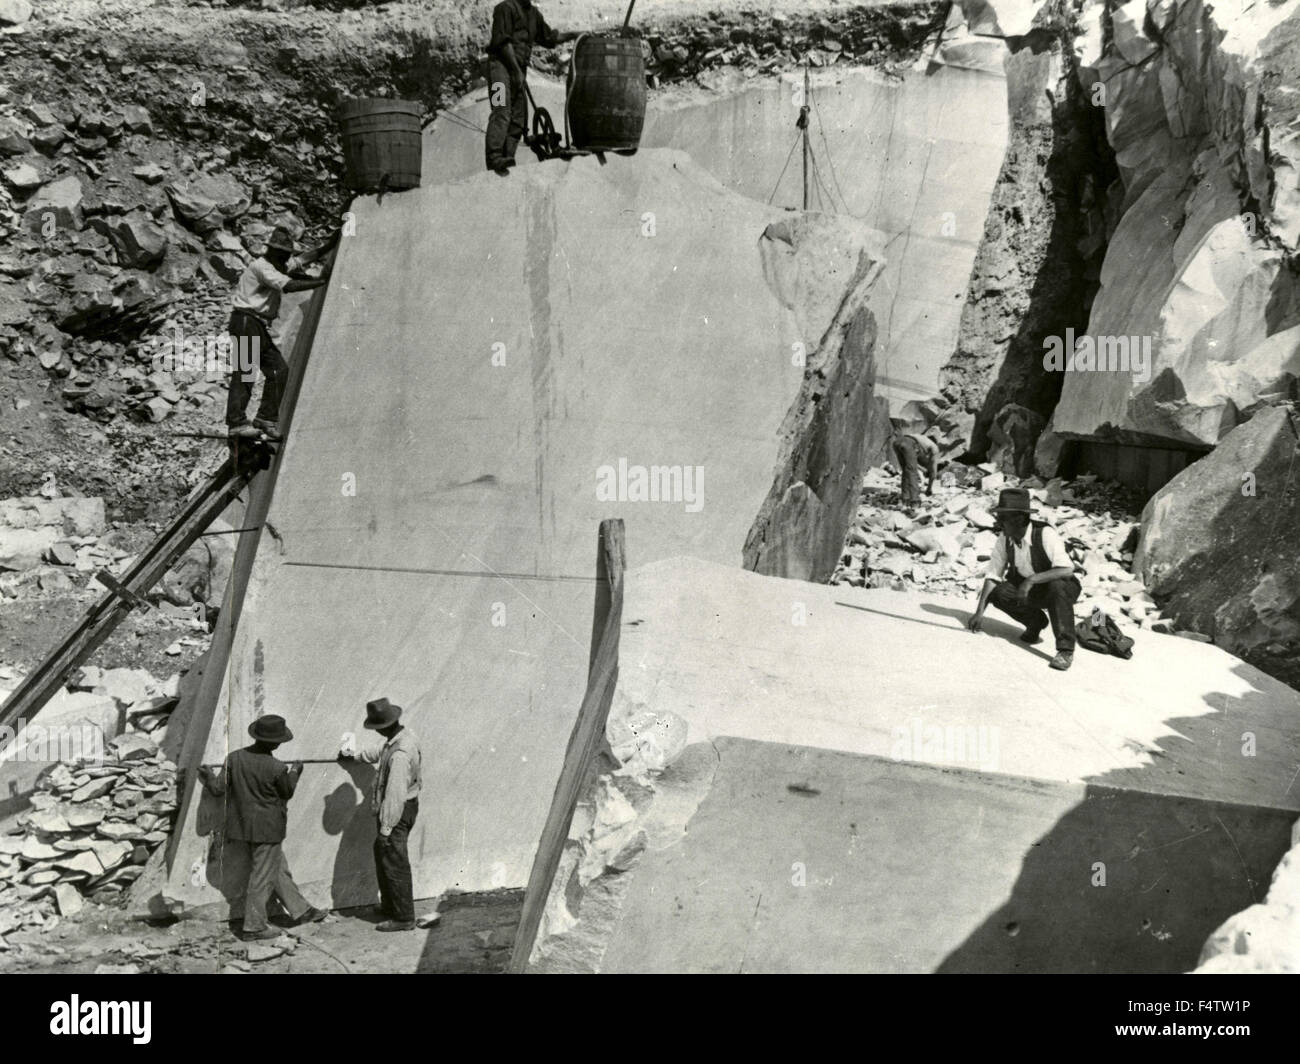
(914, 450)
(395, 801)
(257, 787)
(516, 26)
(1030, 579)
(254, 306)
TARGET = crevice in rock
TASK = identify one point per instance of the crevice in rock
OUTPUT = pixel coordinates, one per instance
(1037, 269)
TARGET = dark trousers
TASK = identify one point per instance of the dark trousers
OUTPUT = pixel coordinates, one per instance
(252, 341)
(393, 867)
(1050, 602)
(905, 451)
(268, 873)
(509, 119)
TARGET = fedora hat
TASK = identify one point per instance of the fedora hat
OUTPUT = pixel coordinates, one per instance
(1013, 501)
(381, 713)
(281, 240)
(270, 729)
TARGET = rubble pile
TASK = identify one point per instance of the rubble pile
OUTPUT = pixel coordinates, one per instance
(772, 42)
(54, 544)
(92, 825)
(944, 544)
(109, 228)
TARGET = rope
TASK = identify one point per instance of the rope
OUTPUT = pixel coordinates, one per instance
(797, 139)
(568, 84)
(830, 163)
(459, 120)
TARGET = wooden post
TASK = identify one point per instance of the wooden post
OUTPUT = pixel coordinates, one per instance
(584, 742)
(807, 103)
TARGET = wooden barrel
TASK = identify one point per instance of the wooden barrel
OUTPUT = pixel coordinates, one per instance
(607, 94)
(380, 136)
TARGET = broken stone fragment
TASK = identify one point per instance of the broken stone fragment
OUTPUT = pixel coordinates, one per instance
(150, 173)
(23, 548)
(33, 849)
(264, 951)
(62, 553)
(95, 788)
(132, 746)
(23, 178)
(13, 138)
(206, 204)
(111, 852)
(138, 241)
(68, 899)
(118, 830)
(137, 119)
(58, 200)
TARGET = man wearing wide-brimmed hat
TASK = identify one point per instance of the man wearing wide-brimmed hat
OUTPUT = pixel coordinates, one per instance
(254, 306)
(1030, 578)
(257, 788)
(395, 803)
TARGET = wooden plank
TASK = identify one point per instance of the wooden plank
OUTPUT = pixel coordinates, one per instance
(585, 741)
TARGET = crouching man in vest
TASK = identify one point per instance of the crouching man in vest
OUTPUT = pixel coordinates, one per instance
(1030, 578)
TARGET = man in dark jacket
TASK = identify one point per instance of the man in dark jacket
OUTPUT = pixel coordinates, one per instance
(517, 25)
(257, 788)
(1030, 577)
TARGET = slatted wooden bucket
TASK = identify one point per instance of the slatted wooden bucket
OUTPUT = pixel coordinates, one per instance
(380, 136)
(607, 94)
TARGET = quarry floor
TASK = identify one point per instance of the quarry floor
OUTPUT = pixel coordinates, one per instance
(473, 937)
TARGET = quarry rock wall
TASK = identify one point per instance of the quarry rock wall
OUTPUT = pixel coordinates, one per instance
(1200, 115)
(1040, 252)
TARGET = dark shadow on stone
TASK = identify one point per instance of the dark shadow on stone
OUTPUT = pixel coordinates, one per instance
(475, 935)
(347, 814)
(1175, 867)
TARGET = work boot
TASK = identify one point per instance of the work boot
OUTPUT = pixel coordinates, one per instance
(244, 431)
(1031, 638)
(311, 916)
(396, 925)
(265, 935)
(1063, 660)
(269, 429)
(501, 170)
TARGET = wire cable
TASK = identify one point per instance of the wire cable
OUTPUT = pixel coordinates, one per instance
(784, 169)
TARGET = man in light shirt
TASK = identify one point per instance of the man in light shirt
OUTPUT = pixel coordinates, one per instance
(395, 802)
(913, 451)
(254, 306)
(1030, 578)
